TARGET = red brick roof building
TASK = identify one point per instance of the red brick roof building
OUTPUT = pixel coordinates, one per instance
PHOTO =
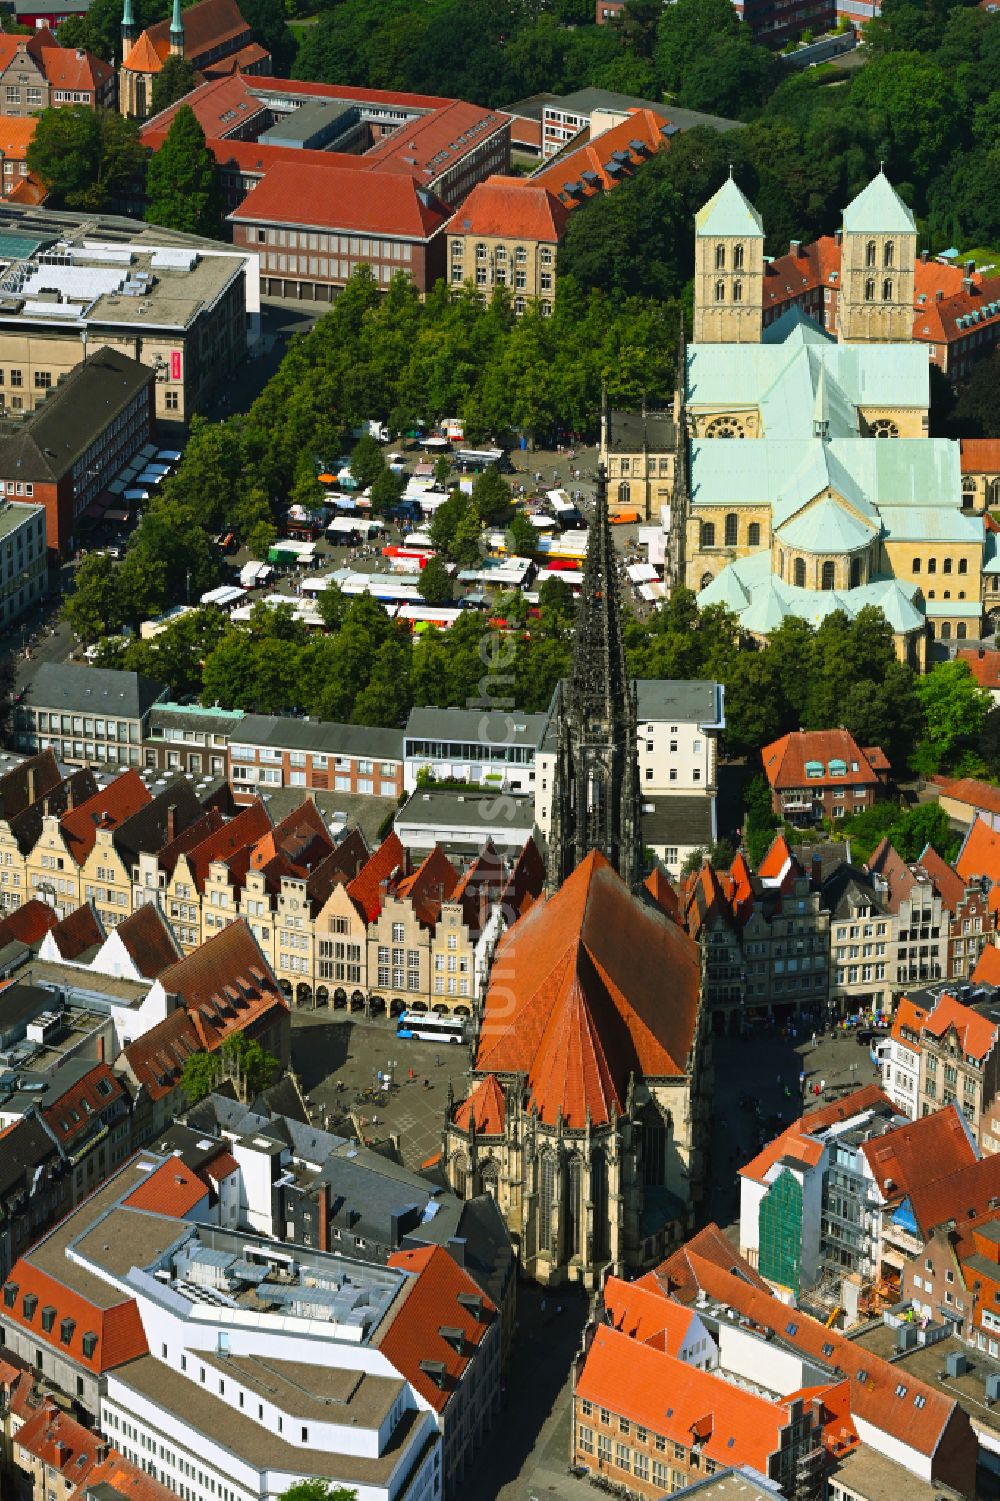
(320, 179)
(594, 997)
(36, 74)
(213, 37)
(956, 310)
(817, 774)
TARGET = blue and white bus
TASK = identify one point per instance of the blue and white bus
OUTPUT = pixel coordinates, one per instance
(427, 1026)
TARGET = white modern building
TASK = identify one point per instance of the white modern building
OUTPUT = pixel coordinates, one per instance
(488, 747)
(23, 568)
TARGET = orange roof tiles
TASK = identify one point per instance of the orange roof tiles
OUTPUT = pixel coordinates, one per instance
(323, 196)
(171, 1189)
(976, 1034)
(66, 68)
(432, 1303)
(28, 924)
(680, 1402)
(105, 810)
(947, 882)
(526, 882)
(785, 760)
(987, 971)
(779, 861)
(16, 134)
(657, 883)
(366, 889)
(156, 1059)
(980, 856)
(679, 1273)
(590, 987)
(208, 26)
(646, 1313)
(978, 795)
(979, 456)
(77, 932)
(231, 844)
(919, 1152)
(226, 985)
(984, 665)
(150, 943)
(61, 1443)
(801, 1140)
(125, 1479)
(789, 276)
(221, 1166)
(297, 843)
(596, 156)
(965, 1195)
(119, 1331)
(144, 57)
(430, 885)
(72, 1114)
(907, 1022)
(512, 207)
(486, 1105)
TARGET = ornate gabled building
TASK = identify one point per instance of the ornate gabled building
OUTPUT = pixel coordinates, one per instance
(590, 1081)
(595, 801)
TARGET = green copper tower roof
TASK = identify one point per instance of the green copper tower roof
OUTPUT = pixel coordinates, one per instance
(729, 213)
(176, 21)
(878, 209)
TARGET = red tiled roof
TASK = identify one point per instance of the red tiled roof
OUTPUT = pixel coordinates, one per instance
(976, 1034)
(77, 932)
(980, 856)
(244, 59)
(526, 882)
(987, 971)
(657, 883)
(231, 843)
(487, 1105)
(208, 25)
(119, 1331)
(144, 56)
(301, 840)
(150, 943)
(414, 1335)
(226, 985)
(72, 1114)
(779, 862)
(29, 191)
(919, 1152)
(66, 68)
(221, 1167)
(582, 1004)
(646, 1313)
(984, 665)
(801, 1141)
(430, 885)
(680, 1402)
(366, 888)
(125, 1480)
(789, 276)
(188, 839)
(785, 760)
(16, 135)
(105, 810)
(28, 924)
(979, 456)
(595, 157)
(321, 196)
(512, 207)
(900, 878)
(908, 1019)
(947, 882)
(156, 1059)
(965, 1195)
(171, 1189)
(60, 1443)
(978, 795)
(679, 1273)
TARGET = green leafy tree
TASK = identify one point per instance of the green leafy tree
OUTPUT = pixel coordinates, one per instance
(182, 181)
(435, 582)
(491, 496)
(442, 469)
(262, 538)
(367, 462)
(466, 547)
(94, 608)
(520, 536)
(387, 491)
(268, 21)
(85, 156)
(989, 742)
(955, 710)
(318, 1490)
(760, 820)
(176, 78)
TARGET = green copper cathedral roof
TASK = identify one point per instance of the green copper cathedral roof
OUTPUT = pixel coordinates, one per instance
(729, 213)
(878, 209)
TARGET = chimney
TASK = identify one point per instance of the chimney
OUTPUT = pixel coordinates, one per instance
(938, 295)
(323, 1229)
(100, 1050)
(102, 1451)
(924, 257)
(70, 795)
(982, 652)
(171, 823)
(795, 247)
(60, 1453)
(839, 237)
(966, 283)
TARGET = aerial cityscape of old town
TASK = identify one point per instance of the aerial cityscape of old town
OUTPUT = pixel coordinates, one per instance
(499, 750)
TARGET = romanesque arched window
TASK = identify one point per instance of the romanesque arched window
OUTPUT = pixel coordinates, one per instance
(828, 576)
(708, 534)
(870, 253)
(737, 291)
(888, 255)
(870, 289)
(887, 289)
(737, 257)
(720, 257)
(799, 573)
(946, 630)
(753, 534)
(732, 529)
(720, 291)
(960, 630)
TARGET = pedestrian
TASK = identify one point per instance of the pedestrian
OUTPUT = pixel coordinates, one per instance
(814, 1039)
(822, 1085)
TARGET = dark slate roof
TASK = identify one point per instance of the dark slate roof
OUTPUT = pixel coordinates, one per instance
(147, 829)
(26, 1148)
(322, 736)
(831, 855)
(70, 689)
(845, 881)
(684, 818)
(699, 701)
(485, 1251)
(634, 432)
(48, 442)
(497, 727)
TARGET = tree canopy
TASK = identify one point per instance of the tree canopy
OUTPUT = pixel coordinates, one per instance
(182, 182)
(85, 156)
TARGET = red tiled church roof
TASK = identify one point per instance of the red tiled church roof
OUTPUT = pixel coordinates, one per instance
(595, 986)
(486, 1105)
